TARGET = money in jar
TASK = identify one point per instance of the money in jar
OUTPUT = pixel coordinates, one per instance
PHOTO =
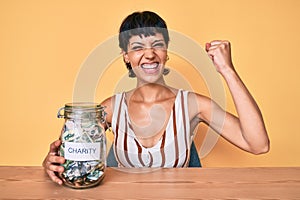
(83, 144)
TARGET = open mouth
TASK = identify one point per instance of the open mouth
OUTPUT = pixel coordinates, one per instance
(150, 67)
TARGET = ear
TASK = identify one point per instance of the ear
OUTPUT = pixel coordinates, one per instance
(125, 56)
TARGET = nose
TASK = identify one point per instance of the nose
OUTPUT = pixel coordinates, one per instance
(149, 53)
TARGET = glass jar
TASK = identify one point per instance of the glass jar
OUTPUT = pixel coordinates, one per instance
(83, 144)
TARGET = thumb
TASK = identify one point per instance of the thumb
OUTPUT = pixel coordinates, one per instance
(55, 145)
(207, 46)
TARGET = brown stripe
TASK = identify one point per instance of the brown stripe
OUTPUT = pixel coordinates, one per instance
(139, 152)
(185, 133)
(117, 131)
(151, 159)
(162, 150)
(130, 126)
(125, 144)
(186, 158)
(175, 137)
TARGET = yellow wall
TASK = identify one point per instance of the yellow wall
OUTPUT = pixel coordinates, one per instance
(44, 43)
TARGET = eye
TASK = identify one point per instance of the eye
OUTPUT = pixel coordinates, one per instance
(159, 45)
(137, 48)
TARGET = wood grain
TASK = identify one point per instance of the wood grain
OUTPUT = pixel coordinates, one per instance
(177, 183)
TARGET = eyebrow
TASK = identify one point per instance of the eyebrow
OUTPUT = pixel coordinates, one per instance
(140, 43)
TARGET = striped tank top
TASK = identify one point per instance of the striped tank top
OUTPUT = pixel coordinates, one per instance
(173, 148)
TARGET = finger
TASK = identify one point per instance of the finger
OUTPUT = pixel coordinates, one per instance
(213, 47)
(210, 54)
(216, 42)
(56, 159)
(48, 165)
(222, 44)
(54, 178)
(219, 46)
(55, 168)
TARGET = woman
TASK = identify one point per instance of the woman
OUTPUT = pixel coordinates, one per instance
(153, 123)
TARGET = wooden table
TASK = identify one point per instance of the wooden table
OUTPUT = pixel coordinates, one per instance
(188, 183)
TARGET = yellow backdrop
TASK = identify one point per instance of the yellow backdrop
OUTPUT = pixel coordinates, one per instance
(44, 43)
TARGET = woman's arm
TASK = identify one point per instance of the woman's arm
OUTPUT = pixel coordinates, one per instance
(108, 108)
(248, 129)
(52, 162)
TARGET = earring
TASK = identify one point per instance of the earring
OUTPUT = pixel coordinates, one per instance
(131, 73)
(166, 71)
(167, 58)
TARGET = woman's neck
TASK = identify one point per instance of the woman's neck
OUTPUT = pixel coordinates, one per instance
(151, 92)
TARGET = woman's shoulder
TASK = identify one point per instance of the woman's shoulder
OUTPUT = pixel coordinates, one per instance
(197, 104)
(108, 105)
(108, 101)
(194, 95)
(200, 100)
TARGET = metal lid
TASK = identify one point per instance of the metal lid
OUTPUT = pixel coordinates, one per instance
(80, 107)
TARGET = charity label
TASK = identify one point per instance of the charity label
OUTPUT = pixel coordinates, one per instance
(82, 151)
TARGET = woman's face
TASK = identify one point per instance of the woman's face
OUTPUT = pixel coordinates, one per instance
(147, 56)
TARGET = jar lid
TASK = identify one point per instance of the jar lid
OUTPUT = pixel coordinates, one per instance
(80, 107)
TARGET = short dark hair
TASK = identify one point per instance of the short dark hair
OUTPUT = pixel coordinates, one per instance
(141, 23)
